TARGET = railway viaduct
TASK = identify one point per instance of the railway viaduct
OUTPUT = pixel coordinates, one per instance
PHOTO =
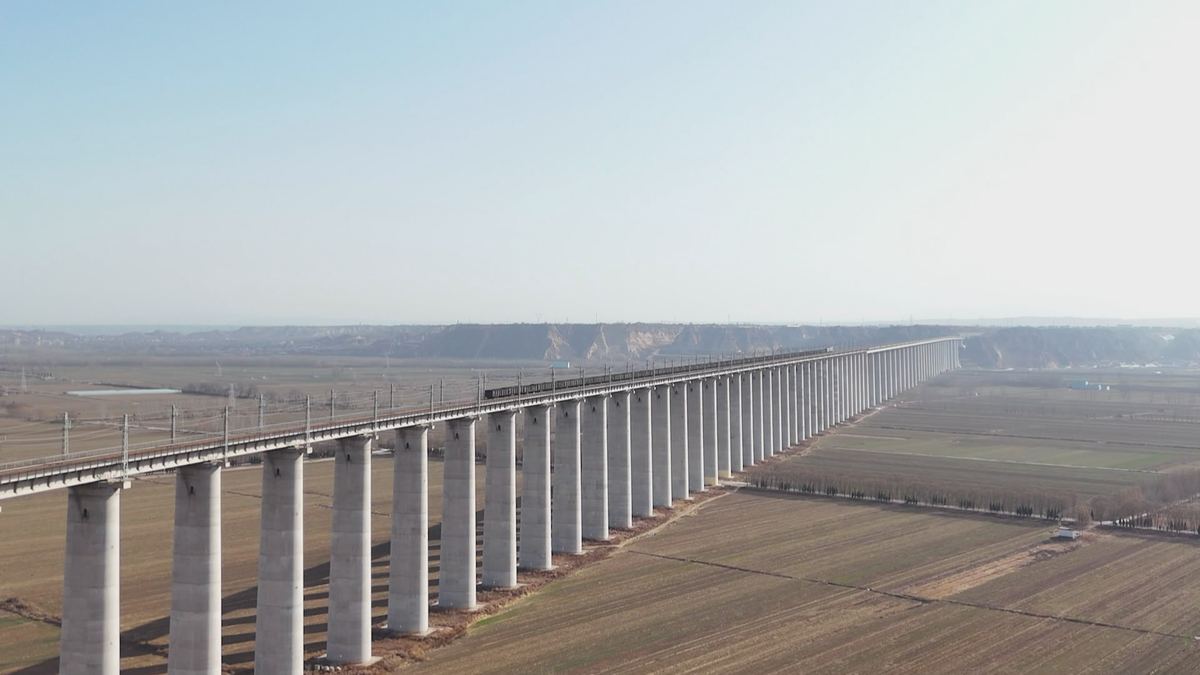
(621, 447)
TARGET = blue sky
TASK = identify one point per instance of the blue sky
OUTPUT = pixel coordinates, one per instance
(622, 161)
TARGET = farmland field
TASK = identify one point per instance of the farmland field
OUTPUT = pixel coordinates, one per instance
(1022, 431)
(755, 582)
(760, 583)
(31, 418)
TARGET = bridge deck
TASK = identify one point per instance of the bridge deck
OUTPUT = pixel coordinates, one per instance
(38, 475)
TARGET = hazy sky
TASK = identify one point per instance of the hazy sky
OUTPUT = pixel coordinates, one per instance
(401, 162)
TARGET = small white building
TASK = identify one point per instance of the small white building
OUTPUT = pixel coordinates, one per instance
(1065, 532)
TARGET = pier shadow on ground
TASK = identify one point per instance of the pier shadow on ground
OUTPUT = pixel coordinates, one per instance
(149, 639)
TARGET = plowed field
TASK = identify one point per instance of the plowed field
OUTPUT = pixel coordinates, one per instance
(758, 583)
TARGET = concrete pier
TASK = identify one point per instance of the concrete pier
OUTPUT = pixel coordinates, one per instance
(456, 572)
(195, 625)
(695, 440)
(534, 552)
(711, 428)
(679, 441)
(566, 521)
(91, 619)
(826, 381)
(770, 412)
(802, 398)
(620, 504)
(746, 421)
(408, 578)
(758, 424)
(594, 462)
(500, 502)
(279, 619)
(780, 406)
(349, 634)
(819, 382)
(724, 445)
(785, 407)
(641, 464)
(661, 452)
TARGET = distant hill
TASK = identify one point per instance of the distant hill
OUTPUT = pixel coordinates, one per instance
(1018, 347)
(1026, 347)
(550, 342)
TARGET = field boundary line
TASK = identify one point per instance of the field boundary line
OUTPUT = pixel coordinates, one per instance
(917, 598)
(941, 508)
(963, 432)
(998, 461)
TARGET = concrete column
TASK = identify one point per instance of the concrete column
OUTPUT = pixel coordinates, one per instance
(567, 520)
(456, 573)
(349, 635)
(534, 553)
(844, 390)
(843, 380)
(711, 427)
(195, 625)
(886, 371)
(848, 388)
(912, 368)
(695, 437)
(408, 578)
(279, 619)
(679, 441)
(721, 403)
(500, 502)
(859, 380)
(898, 369)
(831, 393)
(769, 412)
(881, 377)
(797, 397)
(661, 452)
(620, 506)
(776, 410)
(881, 365)
(873, 370)
(783, 441)
(759, 423)
(780, 409)
(91, 614)
(856, 381)
(785, 408)
(908, 368)
(747, 380)
(805, 375)
(594, 460)
(802, 427)
(736, 434)
(826, 393)
(894, 373)
(641, 464)
(855, 386)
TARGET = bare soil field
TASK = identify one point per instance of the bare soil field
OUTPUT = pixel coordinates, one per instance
(1024, 432)
(31, 570)
(31, 418)
(758, 583)
(1085, 482)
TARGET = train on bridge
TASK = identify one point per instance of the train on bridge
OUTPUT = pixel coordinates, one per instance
(617, 377)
